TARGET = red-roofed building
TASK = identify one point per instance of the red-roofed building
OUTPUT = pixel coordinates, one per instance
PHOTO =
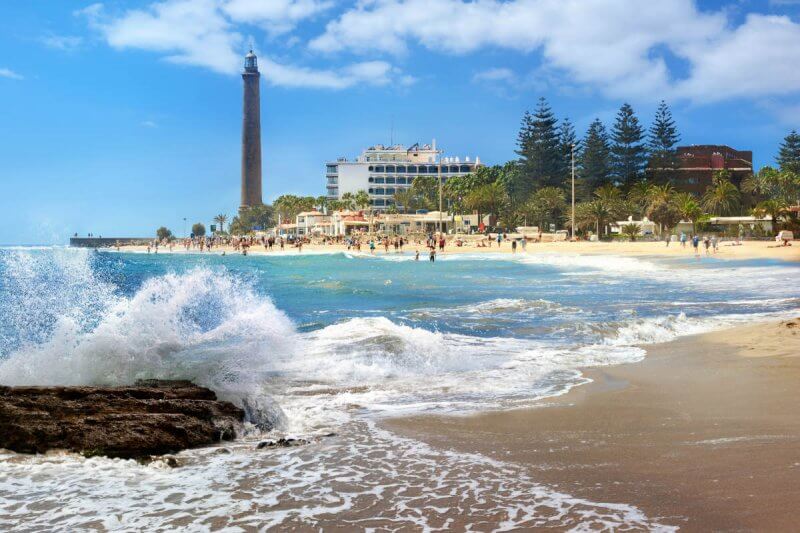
(697, 164)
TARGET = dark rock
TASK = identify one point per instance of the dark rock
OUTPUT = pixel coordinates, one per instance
(281, 443)
(153, 417)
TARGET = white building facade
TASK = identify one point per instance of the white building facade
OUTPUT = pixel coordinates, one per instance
(384, 170)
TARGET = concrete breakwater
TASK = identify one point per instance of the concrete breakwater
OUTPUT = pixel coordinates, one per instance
(106, 242)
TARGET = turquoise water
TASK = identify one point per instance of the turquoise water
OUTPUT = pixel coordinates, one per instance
(335, 342)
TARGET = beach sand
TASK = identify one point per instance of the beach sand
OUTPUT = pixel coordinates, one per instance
(703, 434)
(748, 250)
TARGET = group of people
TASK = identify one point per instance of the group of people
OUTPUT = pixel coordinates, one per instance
(710, 244)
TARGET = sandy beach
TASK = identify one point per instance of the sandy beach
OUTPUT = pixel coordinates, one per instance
(727, 250)
(703, 434)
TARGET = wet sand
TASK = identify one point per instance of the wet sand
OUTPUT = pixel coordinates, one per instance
(703, 434)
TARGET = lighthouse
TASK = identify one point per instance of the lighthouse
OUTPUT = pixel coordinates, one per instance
(251, 134)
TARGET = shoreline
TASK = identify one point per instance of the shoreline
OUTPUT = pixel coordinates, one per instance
(727, 251)
(703, 434)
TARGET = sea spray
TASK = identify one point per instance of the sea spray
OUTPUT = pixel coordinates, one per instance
(202, 325)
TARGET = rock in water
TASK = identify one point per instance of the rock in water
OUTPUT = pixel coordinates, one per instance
(152, 417)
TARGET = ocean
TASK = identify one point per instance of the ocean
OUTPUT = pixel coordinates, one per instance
(321, 344)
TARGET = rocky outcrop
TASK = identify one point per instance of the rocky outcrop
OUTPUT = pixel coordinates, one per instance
(150, 418)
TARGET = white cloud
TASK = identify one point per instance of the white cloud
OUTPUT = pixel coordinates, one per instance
(616, 46)
(8, 73)
(277, 16)
(149, 124)
(760, 57)
(66, 43)
(495, 75)
(205, 33)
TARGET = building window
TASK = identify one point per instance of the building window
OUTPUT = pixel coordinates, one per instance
(422, 169)
(390, 191)
(371, 168)
(465, 168)
(390, 168)
(389, 180)
(379, 168)
(379, 190)
(401, 169)
(380, 202)
(401, 181)
(331, 169)
(371, 180)
(379, 180)
(412, 169)
(453, 168)
(371, 190)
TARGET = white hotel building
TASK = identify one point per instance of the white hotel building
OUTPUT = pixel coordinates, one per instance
(383, 170)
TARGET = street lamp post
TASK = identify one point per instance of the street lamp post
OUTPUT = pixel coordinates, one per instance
(440, 192)
(572, 155)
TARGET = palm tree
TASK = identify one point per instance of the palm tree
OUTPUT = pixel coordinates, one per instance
(362, 202)
(639, 195)
(597, 213)
(322, 203)
(221, 219)
(771, 208)
(349, 200)
(631, 230)
(688, 208)
(488, 198)
(546, 205)
(405, 198)
(721, 197)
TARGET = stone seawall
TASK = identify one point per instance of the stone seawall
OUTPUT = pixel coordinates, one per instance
(106, 242)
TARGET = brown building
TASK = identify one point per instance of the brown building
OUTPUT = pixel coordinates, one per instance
(697, 164)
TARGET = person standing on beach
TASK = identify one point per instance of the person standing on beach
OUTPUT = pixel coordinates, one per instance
(524, 244)
(416, 256)
(432, 256)
(514, 246)
(696, 244)
(683, 240)
(707, 244)
(714, 243)
(372, 246)
(667, 239)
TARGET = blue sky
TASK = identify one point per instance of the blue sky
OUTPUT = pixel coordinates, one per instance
(121, 116)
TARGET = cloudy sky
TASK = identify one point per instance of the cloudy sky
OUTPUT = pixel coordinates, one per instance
(121, 116)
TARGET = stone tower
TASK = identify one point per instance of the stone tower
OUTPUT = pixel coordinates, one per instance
(251, 134)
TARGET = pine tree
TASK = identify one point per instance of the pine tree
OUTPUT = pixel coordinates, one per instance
(567, 138)
(595, 160)
(629, 154)
(789, 153)
(539, 147)
(661, 140)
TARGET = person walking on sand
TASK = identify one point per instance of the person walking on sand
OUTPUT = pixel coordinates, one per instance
(499, 239)
(714, 243)
(372, 246)
(707, 244)
(514, 246)
(667, 239)
(683, 239)
(696, 244)
(524, 244)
